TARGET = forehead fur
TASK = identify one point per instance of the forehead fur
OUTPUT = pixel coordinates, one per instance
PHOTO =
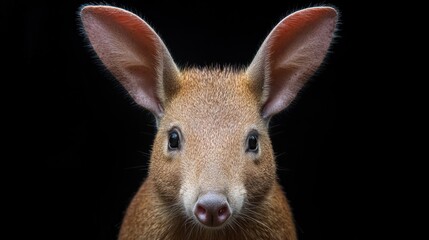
(214, 97)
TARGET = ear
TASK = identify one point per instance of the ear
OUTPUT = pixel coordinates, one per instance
(290, 55)
(133, 53)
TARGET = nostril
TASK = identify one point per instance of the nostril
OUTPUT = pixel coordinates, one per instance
(201, 210)
(222, 210)
(201, 214)
(222, 215)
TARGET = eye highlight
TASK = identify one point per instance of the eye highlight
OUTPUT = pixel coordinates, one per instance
(173, 140)
(252, 144)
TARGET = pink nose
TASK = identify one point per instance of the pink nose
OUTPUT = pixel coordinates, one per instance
(212, 209)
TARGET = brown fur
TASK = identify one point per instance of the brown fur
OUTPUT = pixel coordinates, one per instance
(214, 109)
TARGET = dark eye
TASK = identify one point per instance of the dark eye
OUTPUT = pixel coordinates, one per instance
(252, 143)
(173, 140)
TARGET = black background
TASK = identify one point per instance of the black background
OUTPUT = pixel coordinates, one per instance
(89, 143)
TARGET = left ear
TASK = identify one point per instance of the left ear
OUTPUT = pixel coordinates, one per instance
(290, 54)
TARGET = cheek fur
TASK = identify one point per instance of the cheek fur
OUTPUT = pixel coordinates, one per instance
(259, 176)
(165, 173)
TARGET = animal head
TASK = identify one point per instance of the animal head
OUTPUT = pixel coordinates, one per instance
(212, 154)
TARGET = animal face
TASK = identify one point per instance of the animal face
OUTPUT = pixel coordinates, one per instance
(223, 145)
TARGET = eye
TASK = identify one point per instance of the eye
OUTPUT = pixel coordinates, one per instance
(173, 140)
(252, 142)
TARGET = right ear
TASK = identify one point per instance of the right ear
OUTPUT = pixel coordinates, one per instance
(133, 53)
(290, 54)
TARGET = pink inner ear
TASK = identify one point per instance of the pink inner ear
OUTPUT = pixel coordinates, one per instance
(292, 52)
(147, 97)
(131, 50)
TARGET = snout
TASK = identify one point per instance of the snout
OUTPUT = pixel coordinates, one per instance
(212, 209)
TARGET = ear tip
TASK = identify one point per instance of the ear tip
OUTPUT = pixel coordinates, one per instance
(86, 9)
(328, 11)
(318, 13)
(332, 11)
